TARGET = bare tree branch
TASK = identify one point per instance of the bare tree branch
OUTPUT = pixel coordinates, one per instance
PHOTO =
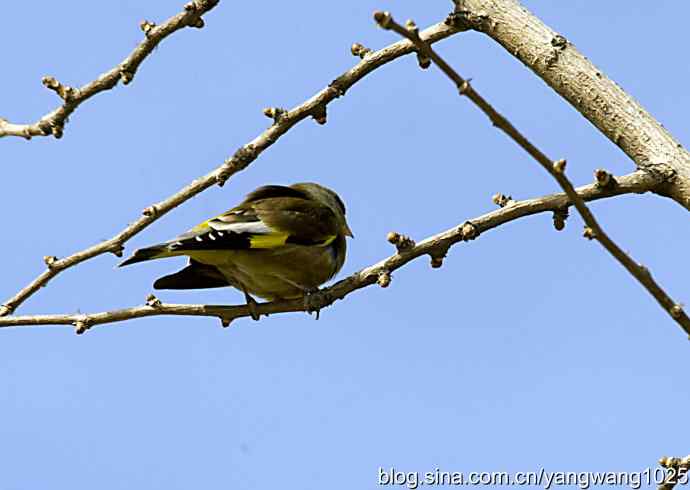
(677, 471)
(54, 122)
(556, 169)
(283, 120)
(606, 105)
(435, 246)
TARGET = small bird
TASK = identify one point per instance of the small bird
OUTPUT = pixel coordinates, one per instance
(281, 242)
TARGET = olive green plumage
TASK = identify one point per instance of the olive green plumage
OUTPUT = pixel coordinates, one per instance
(280, 242)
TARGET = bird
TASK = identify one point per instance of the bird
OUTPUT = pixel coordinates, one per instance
(280, 242)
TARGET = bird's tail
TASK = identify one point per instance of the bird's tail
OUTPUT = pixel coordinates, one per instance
(149, 253)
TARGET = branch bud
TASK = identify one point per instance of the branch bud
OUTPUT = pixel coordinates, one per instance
(319, 115)
(469, 231)
(152, 301)
(147, 26)
(401, 242)
(360, 50)
(81, 326)
(50, 261)
(384, 279)
(559, 166)
(559, 217)
(604, 179)
(274, 113)
(383, 19)
(589, 233)
(502, 200)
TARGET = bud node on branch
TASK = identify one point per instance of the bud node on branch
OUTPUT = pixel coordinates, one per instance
(559, 166)
(360, 50)
(559, 218)
(604, 179)
(469, 231)
(502, 200)
(384, 279)
(319, 114)
(153, 301)
(50, 261)
(147, 27)
(401, 242)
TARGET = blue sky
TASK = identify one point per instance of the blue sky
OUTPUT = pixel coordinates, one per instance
(528, 349)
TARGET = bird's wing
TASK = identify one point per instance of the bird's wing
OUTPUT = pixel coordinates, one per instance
(270, 217)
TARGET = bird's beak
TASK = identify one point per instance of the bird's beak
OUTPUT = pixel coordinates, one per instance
(347, 231)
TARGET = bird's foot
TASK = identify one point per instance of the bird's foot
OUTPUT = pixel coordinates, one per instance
(252, 305)
(312, 303)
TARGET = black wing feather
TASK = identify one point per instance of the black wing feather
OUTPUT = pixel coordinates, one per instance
(195, 276)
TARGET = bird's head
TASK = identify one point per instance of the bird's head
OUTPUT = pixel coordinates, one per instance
(328, 197)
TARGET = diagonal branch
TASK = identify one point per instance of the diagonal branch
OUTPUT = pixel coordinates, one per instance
(586, 87)
(283, 120)
(556, 169)
(435, 246)
(54, 122)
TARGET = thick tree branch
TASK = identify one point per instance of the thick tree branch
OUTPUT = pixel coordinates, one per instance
(556, 169)
(615, 113)
(435, 246)
(54, 122)
(283, 120)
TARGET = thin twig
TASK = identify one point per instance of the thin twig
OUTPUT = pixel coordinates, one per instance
(239, 161)
(435, 246)
(556, 169)
(54, 122)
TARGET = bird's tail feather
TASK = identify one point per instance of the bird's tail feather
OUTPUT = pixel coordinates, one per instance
(149, 253)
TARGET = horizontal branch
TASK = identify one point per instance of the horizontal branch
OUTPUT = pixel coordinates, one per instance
(54, 122)
(283, 121)
(435, 246)
(555, 169)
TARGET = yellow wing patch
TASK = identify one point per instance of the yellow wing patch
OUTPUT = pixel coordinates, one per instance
(268, 241)
(328, 240)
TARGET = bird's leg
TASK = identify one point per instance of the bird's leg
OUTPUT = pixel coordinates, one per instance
(251, 303)
(309, 306)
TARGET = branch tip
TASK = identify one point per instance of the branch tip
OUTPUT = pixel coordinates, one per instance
(383, 19)
(225, 322)
(65, 92)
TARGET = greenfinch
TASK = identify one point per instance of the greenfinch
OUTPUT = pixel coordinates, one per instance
(281, 242)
